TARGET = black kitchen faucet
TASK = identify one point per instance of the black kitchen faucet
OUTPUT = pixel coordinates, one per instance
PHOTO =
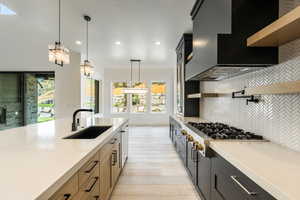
(74, 127)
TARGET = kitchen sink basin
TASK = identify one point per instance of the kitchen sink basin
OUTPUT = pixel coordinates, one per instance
(89, 133)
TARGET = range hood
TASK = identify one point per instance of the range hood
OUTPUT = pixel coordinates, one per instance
(220, 32)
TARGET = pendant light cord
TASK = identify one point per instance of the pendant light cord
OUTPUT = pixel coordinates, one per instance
(139, 71)
(87, 40)
(131, 73)
(59, 21)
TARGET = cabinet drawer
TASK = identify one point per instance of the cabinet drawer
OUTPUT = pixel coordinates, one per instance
(88, 169)
(68, 191)
(229, 183)
(90, 188)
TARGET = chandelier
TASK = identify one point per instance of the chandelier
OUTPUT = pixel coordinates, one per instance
(86, 66)
(131, 89)
(58, 54)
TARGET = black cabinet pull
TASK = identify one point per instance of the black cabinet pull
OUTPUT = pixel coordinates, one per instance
(92, 167)
(67, 196)
(114, 157)
(234, 178)
(113, 141)
(64, 197)
(93, 184)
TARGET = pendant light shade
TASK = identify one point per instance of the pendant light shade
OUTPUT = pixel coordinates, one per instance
(58, 54)
(86, 67)
(131, 89)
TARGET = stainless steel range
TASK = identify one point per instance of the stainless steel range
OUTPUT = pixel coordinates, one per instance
(207, 132)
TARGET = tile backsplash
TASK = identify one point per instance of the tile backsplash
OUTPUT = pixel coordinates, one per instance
(276, 117)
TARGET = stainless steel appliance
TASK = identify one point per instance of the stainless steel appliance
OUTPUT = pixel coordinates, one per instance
(125, 135)
(207, 132)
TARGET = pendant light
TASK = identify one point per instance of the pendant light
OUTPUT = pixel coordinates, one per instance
(131, 89)
(58, 54)
(86, 66)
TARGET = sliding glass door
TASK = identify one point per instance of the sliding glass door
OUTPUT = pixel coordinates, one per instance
(26, 98)
(11, 100)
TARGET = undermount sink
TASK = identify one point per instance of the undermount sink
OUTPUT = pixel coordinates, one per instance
(89, 133)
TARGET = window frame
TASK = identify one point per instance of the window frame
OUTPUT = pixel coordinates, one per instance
(130, 99)
(166, 96)
(111, 98)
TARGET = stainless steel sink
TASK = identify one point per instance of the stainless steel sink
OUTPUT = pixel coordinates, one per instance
(89, 133)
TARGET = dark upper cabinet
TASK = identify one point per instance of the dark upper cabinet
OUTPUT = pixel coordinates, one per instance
(220, 32)
(186, 107)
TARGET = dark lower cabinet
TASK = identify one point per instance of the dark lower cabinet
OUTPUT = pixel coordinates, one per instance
(192, 159)
(181, 147)
(203, 176)
(213, 176)
(228, 183)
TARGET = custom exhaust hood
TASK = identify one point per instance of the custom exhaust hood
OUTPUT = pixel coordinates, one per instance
(220, 32)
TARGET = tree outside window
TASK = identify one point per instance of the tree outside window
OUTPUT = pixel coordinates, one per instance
(139, 101)
(158, 97)
(119, 99)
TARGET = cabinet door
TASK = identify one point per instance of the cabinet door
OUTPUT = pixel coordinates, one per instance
(191, 157)
(105, 171)
(203, 176)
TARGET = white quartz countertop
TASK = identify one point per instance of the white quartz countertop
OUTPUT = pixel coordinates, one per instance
(36, 161)
(273, 167)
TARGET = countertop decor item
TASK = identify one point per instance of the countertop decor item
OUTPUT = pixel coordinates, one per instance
(131, 89)
(58, 54)
(86, 66)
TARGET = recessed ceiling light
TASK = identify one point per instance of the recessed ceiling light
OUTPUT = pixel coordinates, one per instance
(157, 43)
(118, 43)
(78, 42)
(4, 10)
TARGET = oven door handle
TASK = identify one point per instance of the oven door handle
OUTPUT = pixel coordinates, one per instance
(234, 178)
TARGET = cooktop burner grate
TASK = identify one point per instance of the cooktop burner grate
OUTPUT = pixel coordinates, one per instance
(223, 131)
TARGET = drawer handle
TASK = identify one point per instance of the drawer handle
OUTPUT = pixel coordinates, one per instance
(92, 185)
(114, 158)
(113, 141)
(65, 197)
(92, 167)
(234, 178)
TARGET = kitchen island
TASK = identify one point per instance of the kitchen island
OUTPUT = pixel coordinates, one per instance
(36, 161)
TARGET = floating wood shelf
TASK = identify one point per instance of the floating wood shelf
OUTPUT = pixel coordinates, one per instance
(282, 31)
(202, 95)
(291, 87)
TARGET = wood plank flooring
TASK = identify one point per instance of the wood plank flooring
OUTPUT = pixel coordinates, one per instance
(153, 170)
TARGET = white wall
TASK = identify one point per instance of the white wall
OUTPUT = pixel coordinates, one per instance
(68, 88)
(148, 75)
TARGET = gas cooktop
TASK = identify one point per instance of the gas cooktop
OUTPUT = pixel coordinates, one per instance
(222, 131)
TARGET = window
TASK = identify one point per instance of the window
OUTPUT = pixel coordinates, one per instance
(89, 93)
(4, 10)
(158, 97)
(139, 101)
(45, 98)
(119, 99)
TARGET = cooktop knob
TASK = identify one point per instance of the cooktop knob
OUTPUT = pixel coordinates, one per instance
(184, 132)
(199, 146)
(190, 138)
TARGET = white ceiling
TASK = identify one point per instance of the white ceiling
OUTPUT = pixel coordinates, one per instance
(137, 24)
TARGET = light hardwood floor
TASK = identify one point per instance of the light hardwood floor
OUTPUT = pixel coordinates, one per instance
(153, 170)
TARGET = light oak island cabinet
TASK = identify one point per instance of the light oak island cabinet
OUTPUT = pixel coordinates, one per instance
(97, 177)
